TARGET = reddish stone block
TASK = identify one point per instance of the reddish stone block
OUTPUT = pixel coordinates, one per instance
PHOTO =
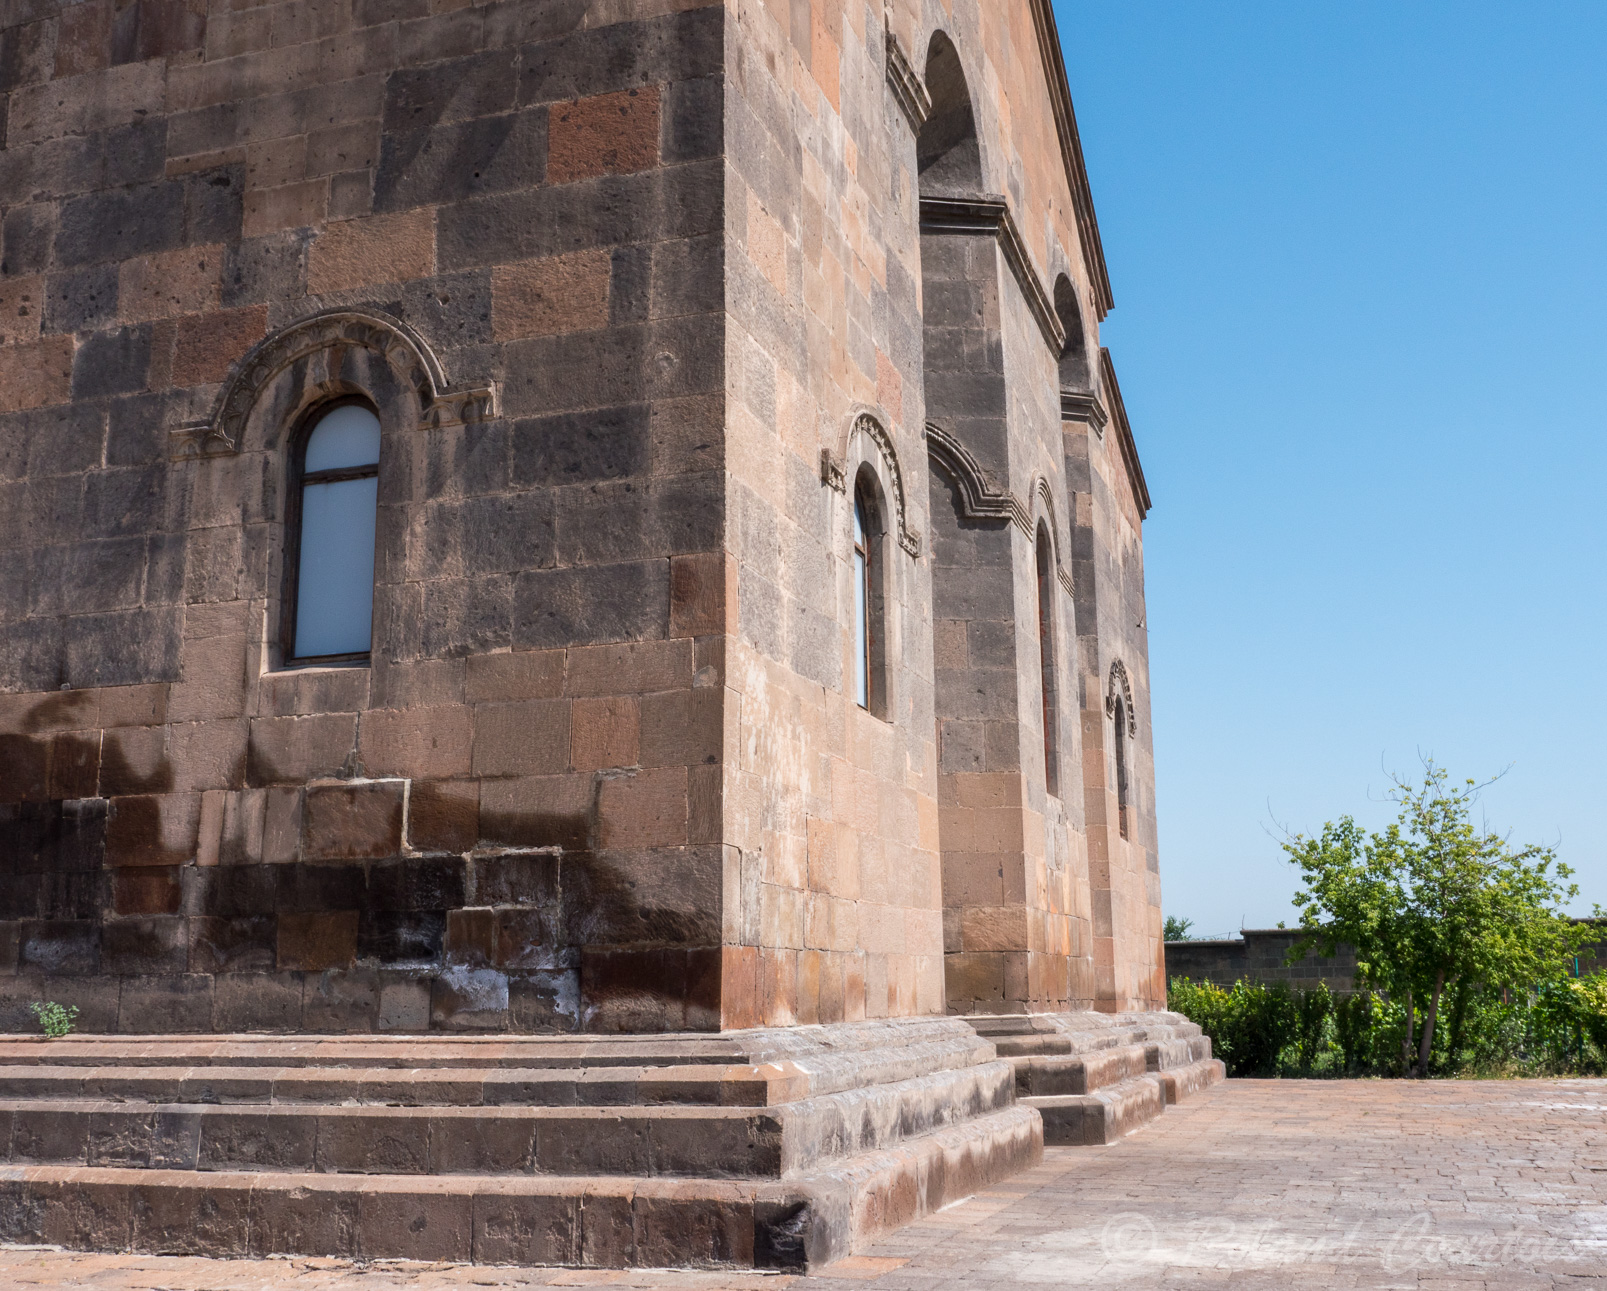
(701, 587)
(367, 252)
(608, 134)
(353, 821)
(36, 374)
(207, 345)
(315, 942)
(545, 297)
(604, 733)
(146, 891)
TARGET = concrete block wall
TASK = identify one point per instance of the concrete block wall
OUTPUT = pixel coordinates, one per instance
(512, 816)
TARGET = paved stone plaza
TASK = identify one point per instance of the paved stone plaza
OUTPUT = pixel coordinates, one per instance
(1450, 1185)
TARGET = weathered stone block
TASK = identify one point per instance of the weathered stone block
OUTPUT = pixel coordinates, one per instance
(354, 821)
(317, 941)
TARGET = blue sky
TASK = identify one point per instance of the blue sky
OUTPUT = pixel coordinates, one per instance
(1359, 254)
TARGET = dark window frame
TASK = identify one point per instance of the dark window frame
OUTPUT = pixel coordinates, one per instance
(1121, 767)
(298, 479)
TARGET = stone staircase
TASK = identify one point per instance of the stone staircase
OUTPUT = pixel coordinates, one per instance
(767, 1149)
(1097, 1076)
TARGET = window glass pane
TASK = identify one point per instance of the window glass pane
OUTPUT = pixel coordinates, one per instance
(335, 585)
(347, 436)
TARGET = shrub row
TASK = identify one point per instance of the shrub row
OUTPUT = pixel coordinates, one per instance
(1558, 1028)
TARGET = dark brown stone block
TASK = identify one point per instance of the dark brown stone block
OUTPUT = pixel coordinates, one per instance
(171, 1002)
(315, 942)
(146, 890)
(518, 1228)
(432, 1222)
(304, 1221)
(262, 1139)
(203, 1219)
(443, 815)
(353, 1142)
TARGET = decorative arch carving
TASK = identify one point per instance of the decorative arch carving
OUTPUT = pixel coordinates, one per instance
(833, 474)
(407, 353)
(1119, 683)
(981, 498)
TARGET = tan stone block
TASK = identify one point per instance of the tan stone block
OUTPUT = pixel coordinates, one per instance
(701, 587)
(608, 134)
(290, 206)
(271, 163)
(643, 809)
(133, 705)
(424, 683)
(526, 738)
(36, 374)
(994, 928)
(208, 345)
(767, 243)
(22, 301)
(368, 252)
(357, 820)
(208, 755)
(545, 297)
(214, 803)
(213, 682)
(293, 750)
(629, 668)
(604, 733)
(317, 942)
(281, 824)
(169, 283)
(304, 691)
(425, 743)
(133, 760)
(523, 674)
(682, 727)
(240, 842)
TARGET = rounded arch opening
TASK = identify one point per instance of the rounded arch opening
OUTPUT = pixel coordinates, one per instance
(1074, 370)
(947, 152)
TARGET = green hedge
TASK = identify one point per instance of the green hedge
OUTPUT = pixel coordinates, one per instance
(1559, 1028)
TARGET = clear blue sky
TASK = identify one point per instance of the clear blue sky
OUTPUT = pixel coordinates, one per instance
(1359, 254)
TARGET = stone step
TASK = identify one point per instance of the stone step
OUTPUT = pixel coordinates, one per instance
(1103, 1116)
(1180, 1082)
(619, 1222)
(1051, 1074)
(607, 1086)
(510, 1137)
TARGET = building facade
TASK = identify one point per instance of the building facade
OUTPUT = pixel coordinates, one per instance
(755, 627)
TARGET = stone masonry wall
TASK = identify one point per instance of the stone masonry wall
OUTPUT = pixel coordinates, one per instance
(512, 816)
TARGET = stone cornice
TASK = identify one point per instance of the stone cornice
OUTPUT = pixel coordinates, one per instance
(1082, 199)
(1124, 431)
(989, 215)
(982, 499)
(908, 88)
(1080, 405)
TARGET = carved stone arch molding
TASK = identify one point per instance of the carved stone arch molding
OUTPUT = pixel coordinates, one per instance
(325, 340)
(834, 474)
(1042, 493)
(1118, 681)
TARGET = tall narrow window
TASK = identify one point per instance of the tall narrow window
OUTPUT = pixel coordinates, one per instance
(1121, 767)
(333, 531)
(862, 602)
(1046, 662)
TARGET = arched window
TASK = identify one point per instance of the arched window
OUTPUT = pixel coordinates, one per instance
(1121, 766)
(1046, 662)
(331, 558)
(870, 613)
(1073, 362)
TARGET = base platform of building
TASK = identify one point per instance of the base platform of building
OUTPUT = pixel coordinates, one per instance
(776, 1148)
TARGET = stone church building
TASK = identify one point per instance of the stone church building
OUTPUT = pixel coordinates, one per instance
(588, 549)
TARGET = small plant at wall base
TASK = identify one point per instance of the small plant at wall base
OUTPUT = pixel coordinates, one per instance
(57, 1020)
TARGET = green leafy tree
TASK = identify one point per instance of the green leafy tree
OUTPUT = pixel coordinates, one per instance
(1176, 929)
(1432, 904)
